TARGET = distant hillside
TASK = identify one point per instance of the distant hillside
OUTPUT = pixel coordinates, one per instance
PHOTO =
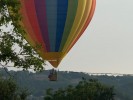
(38, 82)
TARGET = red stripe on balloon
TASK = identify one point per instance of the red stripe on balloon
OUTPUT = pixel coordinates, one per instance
(26, 22)
(31, 13)
(86, 24)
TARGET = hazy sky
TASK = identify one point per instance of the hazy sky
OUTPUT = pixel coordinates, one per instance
(107, 44)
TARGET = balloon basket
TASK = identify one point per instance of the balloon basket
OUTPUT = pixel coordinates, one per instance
(53, 75)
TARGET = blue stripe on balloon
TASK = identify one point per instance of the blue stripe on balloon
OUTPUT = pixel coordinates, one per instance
(51, 11)
(62, 6)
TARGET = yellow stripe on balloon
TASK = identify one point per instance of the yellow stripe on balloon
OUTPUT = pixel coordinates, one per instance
(83, 21)
(77, 21)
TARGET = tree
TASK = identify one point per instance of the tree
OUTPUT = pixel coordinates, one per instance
(84, 90)
(14, 49)
(23, 94)
(9, 90)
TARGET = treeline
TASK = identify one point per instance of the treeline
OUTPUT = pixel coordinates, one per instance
(85, 90)
(38, 83)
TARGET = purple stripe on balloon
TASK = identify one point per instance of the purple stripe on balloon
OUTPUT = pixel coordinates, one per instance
(40, 6)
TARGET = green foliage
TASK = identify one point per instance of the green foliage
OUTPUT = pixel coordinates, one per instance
(38, 82)
(9, 90)
(13, 47)
(23, 94)
(85, 90)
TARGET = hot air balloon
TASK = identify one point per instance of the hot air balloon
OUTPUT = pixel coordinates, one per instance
(54, 26)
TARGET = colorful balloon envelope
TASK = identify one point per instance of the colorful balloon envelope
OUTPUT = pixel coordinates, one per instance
(54, 26)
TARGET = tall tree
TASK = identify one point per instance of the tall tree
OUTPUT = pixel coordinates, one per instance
(14, 49)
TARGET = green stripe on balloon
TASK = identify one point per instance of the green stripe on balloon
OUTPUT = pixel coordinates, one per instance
(72, 9)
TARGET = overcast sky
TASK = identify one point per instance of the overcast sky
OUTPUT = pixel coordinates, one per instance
(107, 44)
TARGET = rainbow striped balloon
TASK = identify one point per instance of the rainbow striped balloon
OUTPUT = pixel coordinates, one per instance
(55, 25)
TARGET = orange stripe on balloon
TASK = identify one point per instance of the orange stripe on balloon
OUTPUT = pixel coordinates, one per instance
(85, 26)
